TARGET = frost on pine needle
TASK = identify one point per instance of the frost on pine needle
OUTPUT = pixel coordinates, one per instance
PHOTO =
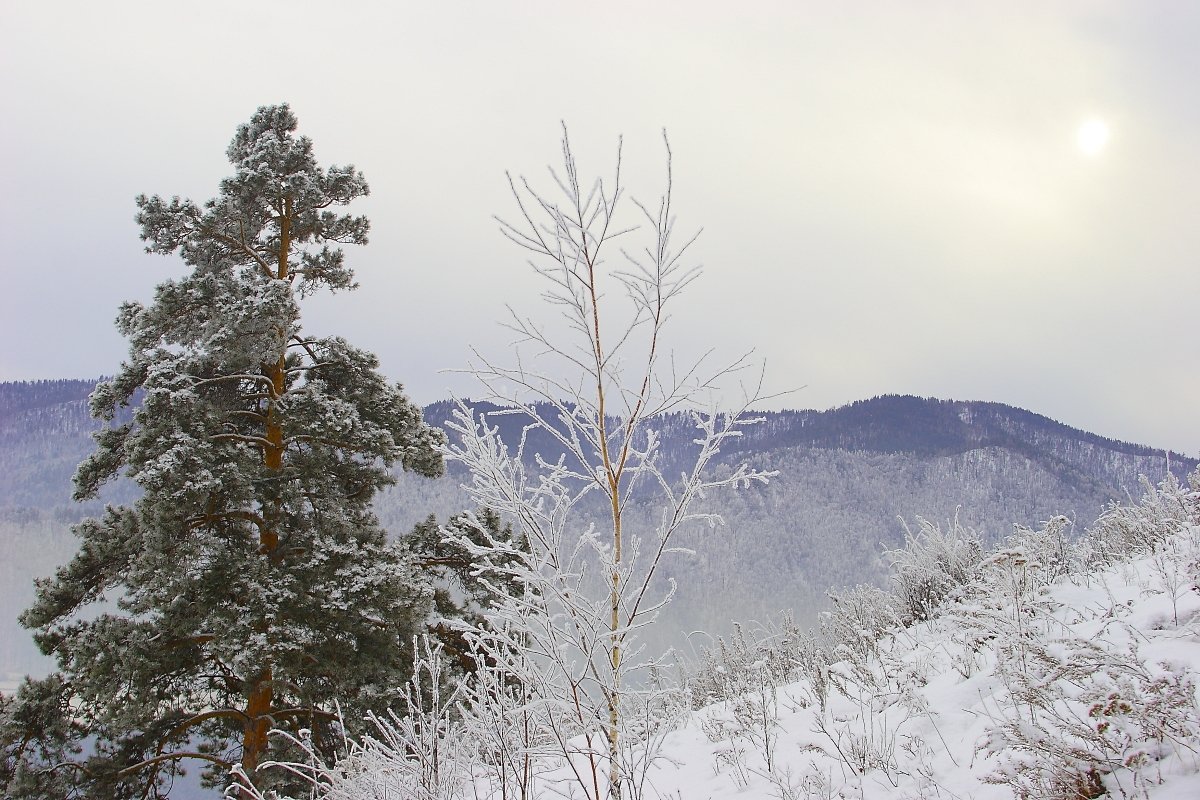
(253, 584)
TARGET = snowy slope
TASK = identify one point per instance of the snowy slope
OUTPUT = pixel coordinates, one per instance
(1025, 683)
(1049, 668)
(925, 715)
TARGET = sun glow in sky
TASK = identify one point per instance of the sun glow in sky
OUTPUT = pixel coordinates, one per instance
(894, 199)
(1092, 137)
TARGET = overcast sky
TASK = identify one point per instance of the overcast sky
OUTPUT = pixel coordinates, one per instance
(893, 196)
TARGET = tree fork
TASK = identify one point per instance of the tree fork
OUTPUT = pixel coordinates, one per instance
(613, 474)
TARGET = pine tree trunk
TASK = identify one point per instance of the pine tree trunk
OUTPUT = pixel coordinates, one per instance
(260, 696)
(258, 709)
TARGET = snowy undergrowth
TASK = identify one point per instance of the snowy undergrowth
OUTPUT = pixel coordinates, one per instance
(1053, 667)
(1049, 668)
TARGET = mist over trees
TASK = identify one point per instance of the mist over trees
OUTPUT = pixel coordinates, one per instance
(271, 560)
(254, 587)
(822, 522)
(1046, 667)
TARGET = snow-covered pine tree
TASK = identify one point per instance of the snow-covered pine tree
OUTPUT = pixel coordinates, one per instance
(252, 584)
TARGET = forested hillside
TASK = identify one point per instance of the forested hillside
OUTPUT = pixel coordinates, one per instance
(849, 480)
(1045, 667)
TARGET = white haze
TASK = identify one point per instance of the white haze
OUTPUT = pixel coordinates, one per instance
(893, 199)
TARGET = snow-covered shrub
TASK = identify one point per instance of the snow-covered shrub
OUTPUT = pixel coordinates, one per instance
(733, 665)
(1123, 531)
(748, 720)
(785, 653)
(1050, 548)
(757, 713)
(422, 752)
(743, 674)
(810, 656)
(1082, 719)
(1005, 606)
(842, 660)
(931, 564)
(507, 729)
(1003, 614)
(1165, 524)
(858, 619)
(872, 699)
(1173, 563)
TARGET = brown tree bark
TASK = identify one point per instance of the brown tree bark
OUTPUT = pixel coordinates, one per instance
(260, 696)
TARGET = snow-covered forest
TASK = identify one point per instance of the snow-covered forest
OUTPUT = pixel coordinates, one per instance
(1049, 667)
(257, 595)
(841, 496)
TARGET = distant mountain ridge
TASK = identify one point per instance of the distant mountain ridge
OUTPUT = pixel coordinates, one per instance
(45, 430)
(903, 424)
(21, 396)
(928, 427)
(849, 479)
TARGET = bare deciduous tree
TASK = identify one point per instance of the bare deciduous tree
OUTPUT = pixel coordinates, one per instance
(600, 393)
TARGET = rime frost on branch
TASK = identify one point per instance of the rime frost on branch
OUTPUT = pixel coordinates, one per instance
(597, 393)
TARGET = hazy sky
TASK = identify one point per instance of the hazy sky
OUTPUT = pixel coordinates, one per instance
(892, 194)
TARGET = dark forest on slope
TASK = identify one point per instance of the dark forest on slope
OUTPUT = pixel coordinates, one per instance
(848, 477)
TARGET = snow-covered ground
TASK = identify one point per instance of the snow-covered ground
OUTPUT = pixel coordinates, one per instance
(1055, 667)
(939, 710)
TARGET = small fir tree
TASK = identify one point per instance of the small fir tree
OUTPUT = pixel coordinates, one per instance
(251, 586)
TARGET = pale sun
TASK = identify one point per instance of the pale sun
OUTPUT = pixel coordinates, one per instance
(1092, 137)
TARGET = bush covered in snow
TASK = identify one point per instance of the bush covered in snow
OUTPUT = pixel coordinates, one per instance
(1054, 667)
